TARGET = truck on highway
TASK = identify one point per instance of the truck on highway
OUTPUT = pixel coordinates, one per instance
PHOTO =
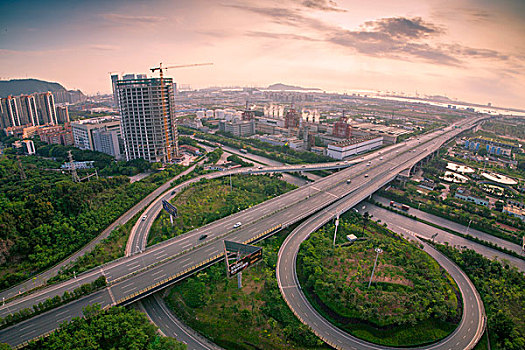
(402, 206)
(243, 151)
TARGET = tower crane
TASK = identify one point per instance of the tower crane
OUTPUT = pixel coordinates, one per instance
(161, 70)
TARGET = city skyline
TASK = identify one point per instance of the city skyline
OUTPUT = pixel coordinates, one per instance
(467, 49)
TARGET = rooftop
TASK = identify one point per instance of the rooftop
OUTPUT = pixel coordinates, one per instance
(354, 140)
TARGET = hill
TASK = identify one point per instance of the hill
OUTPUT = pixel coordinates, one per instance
(17, 87)
(280, 86)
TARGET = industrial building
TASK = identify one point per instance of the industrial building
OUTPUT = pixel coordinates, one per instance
(238, 127)
(281, 140)
(464, 194)
(389, 133)
(342, 129)
(344, 149)
(516, 209)
(146, 132)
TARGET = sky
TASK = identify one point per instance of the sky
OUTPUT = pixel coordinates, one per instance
(472, 50)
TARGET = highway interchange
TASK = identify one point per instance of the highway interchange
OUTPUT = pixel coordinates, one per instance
(184, 254)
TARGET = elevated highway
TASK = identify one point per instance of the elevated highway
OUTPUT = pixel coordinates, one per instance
(139, 275)
(466, 335)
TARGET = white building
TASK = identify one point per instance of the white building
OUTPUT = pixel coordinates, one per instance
(83, 131)
(343, 149)
(219, 114)
(106, 140)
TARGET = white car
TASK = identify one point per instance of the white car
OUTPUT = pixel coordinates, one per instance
(237, 224)
(144, 218)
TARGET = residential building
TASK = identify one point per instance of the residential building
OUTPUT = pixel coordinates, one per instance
(149, 129)
(27, 146)
(27, 110)
(56, 134)
(62, 114)
(9, 109)
(23, 132)
(493, 147)
(346, 148)
(45, 104)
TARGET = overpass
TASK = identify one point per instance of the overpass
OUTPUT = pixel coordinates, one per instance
(465, 336)
(137, 276)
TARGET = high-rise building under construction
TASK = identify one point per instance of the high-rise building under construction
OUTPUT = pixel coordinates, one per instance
(147, 122)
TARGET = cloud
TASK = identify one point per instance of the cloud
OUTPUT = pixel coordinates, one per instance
(470, 52)
(413, 28)
(103, 47)
(323, 5)
(117, 18)
(286, 16)
(380, 44)
(400, 38)
(280, 36)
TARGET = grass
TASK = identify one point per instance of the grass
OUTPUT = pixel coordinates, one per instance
(210, 200)
(411, 301)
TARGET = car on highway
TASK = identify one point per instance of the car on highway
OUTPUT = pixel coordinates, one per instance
(237, 224)
(203, 237)
(144, 218)
(173, 193)
(259, 167)
(348, 181)
(380, 158)
(366, 175)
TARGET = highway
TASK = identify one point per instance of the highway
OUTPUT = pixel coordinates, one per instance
(170, 326)
(466, 335)
(165, 188)
(454, 226)
(145, 273)
(407, 226)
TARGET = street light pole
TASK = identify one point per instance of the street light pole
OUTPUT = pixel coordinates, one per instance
(378, 251)
(466, 232)
(336, 225)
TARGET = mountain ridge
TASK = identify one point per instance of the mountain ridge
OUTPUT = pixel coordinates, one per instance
(281, 86)
(15, 87)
